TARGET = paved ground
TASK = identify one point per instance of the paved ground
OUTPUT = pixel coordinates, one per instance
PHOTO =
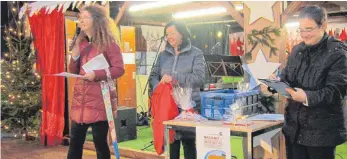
(18, 149)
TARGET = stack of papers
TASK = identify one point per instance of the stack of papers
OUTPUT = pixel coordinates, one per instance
(66, 74)
(267, 117)
(97, 63)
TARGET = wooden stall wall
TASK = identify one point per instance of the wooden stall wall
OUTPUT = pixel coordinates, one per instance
(126, 84)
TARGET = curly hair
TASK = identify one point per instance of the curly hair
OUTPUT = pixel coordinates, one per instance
(105, 30)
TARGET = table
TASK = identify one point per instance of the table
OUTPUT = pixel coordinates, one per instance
(256, 128)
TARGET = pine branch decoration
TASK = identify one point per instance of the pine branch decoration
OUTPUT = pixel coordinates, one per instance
(263, 37)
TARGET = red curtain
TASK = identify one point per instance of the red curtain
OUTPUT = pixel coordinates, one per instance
(343, 35)
(48, 33)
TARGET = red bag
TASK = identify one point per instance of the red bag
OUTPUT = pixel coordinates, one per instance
(163, 108)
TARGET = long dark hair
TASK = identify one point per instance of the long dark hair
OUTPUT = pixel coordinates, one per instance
(183, 30)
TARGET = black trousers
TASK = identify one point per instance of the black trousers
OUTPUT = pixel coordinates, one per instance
(297, 151)
(189, 148)
(78, 136)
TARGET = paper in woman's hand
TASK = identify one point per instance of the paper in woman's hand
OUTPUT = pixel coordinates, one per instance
(279, 86)
(66, 74)
(97, 63)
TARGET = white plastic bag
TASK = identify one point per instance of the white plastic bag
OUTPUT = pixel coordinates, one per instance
(234, 114)
(184, 101)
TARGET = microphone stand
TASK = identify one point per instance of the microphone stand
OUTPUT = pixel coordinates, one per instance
(155, 61)
(147, 145)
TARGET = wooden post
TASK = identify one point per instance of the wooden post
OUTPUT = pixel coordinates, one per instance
(121, 11)
(279, 43)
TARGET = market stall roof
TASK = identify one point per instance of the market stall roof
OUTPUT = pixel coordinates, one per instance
(34, 7)
(162, 15)
(337, 11)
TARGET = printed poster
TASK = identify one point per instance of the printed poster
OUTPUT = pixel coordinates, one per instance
(213, 143)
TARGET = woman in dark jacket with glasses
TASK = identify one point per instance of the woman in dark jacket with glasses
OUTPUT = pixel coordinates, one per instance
(317, 69)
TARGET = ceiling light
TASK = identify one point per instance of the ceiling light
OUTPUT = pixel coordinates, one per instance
(152, 5)
(292, 24)
(238, 6)
(200, 12)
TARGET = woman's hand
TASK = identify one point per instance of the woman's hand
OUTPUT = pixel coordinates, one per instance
(298, 94)
(274, 77)
(75, 49)
(166, 79)
(89, 76)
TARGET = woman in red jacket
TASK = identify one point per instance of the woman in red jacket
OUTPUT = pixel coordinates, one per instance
(98, 36)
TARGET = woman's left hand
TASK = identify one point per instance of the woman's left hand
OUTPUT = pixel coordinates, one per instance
(89, 76)
(298, 94)
(166, 79)
(114, 113)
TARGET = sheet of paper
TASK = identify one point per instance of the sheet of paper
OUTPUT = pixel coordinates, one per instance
(267, 117)
(66, 74)
(97, 63)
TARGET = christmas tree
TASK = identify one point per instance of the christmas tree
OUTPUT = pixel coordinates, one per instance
(20, 84)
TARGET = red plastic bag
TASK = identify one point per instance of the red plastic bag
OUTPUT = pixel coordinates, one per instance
(163, 108)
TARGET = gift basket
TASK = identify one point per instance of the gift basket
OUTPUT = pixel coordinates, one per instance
(183, 99)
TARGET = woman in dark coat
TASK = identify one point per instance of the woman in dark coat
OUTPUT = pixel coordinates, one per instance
(317, 69)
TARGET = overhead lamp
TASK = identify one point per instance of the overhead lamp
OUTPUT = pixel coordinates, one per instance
(238, 6)
(292, 24)
(200, 12)
(152, 5)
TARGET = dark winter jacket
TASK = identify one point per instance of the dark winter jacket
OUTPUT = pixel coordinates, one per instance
(321, 71)
(188, 68)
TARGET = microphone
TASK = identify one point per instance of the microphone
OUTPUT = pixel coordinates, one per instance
(217, 44)
(163, 38)
(78, 30)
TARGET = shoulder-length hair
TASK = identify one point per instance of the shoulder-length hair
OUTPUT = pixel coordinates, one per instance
(182, 29)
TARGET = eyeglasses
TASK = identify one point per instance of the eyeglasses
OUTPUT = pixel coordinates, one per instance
(306, 30)
(84, 18)
(170, 34)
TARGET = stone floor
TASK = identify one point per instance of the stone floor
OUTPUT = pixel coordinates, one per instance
(18, 149)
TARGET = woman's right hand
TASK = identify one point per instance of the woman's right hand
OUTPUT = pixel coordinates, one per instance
(76, 49)
(274, 77)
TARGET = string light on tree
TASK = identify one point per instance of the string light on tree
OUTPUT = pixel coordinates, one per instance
(19, 98)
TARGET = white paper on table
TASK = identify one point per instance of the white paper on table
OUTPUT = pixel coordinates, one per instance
(66, 74)
(97, 63)
(267, 117)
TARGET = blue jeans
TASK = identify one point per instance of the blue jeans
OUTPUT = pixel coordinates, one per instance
(78, 136)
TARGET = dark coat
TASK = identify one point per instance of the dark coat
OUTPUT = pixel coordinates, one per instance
(321, 71)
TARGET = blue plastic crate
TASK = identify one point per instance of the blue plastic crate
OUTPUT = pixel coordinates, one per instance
(215, 103)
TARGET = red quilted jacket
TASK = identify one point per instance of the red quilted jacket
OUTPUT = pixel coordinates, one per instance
(87, 103)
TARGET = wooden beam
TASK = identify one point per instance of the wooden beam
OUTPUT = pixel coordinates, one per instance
(121, 11)
(71, 14)
(291, 9)
(147, 22)
(233, 12)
